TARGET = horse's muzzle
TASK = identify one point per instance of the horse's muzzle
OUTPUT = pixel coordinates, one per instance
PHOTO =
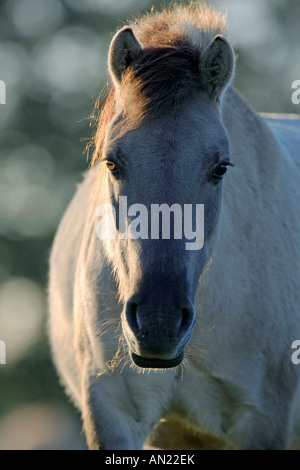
(157, 336)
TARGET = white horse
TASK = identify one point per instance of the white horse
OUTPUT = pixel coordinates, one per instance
(213, 327)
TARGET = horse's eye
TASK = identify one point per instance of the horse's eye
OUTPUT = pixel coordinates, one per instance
(220, 170)
(111, 166)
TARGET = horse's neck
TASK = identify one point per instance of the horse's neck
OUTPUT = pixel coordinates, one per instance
(256, 154)
(251, 189)
(245, 127)
(248, 193)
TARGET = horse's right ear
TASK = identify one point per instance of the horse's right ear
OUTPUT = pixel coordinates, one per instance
(124, 49)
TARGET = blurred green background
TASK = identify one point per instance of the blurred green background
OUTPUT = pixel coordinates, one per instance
(53, 59)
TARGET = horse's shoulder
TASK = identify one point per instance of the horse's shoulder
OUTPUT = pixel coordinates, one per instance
(283, 122)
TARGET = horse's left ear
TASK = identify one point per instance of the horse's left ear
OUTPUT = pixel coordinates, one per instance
(123, 50)
(216, 67)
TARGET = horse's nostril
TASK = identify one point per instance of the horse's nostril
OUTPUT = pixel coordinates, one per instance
(187, 319)
(131, 317)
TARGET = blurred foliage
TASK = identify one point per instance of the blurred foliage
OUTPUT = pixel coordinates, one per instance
(53, 57)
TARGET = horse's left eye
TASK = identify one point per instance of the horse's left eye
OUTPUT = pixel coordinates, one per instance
(220, 170)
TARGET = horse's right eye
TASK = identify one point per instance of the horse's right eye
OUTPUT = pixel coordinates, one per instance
(111, 166)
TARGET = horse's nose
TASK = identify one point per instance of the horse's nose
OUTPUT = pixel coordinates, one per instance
(174, 324)
(157, 334)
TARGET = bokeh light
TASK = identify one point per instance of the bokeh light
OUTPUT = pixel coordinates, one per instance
(107, 7)
(33, 18)
(32, 197)
(70, 61)
(22, 314)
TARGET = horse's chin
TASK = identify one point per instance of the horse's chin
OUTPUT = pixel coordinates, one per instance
(154, 363)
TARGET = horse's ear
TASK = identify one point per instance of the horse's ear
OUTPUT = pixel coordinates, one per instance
(217, 67)
(123, 50)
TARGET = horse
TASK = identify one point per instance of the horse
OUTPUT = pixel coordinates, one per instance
(158, 344)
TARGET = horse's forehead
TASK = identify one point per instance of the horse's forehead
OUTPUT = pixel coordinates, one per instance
(197, 119)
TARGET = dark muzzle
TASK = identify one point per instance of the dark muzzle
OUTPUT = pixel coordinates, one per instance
(156, 333)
